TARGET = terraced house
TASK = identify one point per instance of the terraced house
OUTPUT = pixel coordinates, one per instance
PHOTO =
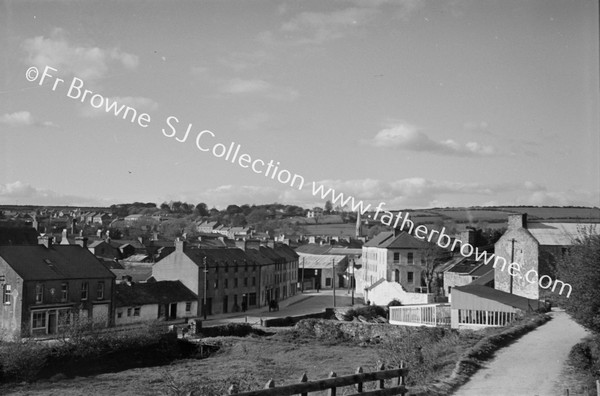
(45, 286)
(231, 279)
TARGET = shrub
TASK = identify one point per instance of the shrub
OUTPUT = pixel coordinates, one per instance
(394, 303)
(369, 312)
(581, 357)
(22, 361)
(230, 330)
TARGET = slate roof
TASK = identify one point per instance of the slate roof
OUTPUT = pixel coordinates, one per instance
(163, 292)
(502, 297)
(138, 274)
(18, 236)
(313, 248)
(319, 261)
(216, 255)
(559, 234)
(58, 262)
(402, 240)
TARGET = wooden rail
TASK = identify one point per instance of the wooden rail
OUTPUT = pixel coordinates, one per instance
(333, 382)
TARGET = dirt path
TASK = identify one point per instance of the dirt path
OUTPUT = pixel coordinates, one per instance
(531, 365)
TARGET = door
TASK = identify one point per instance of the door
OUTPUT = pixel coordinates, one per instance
(173, 311)
(51, 322)
(225, 303)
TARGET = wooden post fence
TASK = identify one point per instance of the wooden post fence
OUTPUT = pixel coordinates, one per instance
(333, 382)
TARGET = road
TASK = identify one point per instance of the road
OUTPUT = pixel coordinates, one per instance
(531, 365)
(300, 304)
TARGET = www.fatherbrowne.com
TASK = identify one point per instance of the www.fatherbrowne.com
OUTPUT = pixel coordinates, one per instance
(443, 240)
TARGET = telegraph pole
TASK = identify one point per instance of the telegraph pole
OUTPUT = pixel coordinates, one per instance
(302, 286)
(205, 286)
(512, 260)
(352, 282)
(333, 279)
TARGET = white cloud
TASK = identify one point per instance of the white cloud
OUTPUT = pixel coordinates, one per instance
(408, 137)
(86, 62)
(23, 118)
(238, 86)
(254, 121)
(25, 194)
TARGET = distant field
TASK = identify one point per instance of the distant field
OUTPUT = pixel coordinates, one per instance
(559, 213)
(331, 229)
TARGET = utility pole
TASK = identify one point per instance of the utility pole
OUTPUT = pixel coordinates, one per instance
(512, 260)
(333, 279)
(302, 285)
(205, 286)
(352, 282)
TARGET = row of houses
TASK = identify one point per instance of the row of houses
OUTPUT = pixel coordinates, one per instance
(47, 286)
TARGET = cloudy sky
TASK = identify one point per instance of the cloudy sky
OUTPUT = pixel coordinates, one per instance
(415, 103)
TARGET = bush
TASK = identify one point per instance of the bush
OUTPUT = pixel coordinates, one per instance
(22, 361)
(394, 303)
(581, 357)
(369, 312)
(230, 330)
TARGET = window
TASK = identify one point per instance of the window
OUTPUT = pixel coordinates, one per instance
(64, 291)
(225, 283)
(39, 320)
(216, 268)
(410, 277)
(39, 293)
(119, 314)
(235, 282)
(252, 299)
(84, 290)
(226, 267)
(449, 290)
(7, 294)
(188, 307)
(245, 265)
(136, 311)
(100, 290)
(128, 311)
(327, 281)
(396, 257)
(236, 266)
(245, 281)
(253, 281)
(409, 258)
(217, 283)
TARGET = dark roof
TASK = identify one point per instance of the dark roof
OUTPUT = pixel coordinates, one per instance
(139, 274)
(313, 248)
(380, 281)
(18, 236)
(58, 262)
(286, 251)
(163, 292)
(486, 279)
(502, 297)
(213, 255)
(402, 240)
(379, 238)
(481, 270)
(256, 256)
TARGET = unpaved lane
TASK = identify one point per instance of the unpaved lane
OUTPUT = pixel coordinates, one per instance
(529, 366)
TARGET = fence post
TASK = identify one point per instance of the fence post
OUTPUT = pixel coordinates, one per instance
(233, 389)
(332, 390)
(304, 378)
(381, 382)
(359, 385)
(270, 384)
(401, 379)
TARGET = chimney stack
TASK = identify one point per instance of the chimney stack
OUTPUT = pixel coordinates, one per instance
(45, 240)
(516, 221)
(179, 245)
(81, 241)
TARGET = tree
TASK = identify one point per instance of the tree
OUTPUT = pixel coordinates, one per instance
(328, 207)
(432, 256)
(165, 206)
(201, 210)
(579, 268)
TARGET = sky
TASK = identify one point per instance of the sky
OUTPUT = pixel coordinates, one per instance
(414, 103)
